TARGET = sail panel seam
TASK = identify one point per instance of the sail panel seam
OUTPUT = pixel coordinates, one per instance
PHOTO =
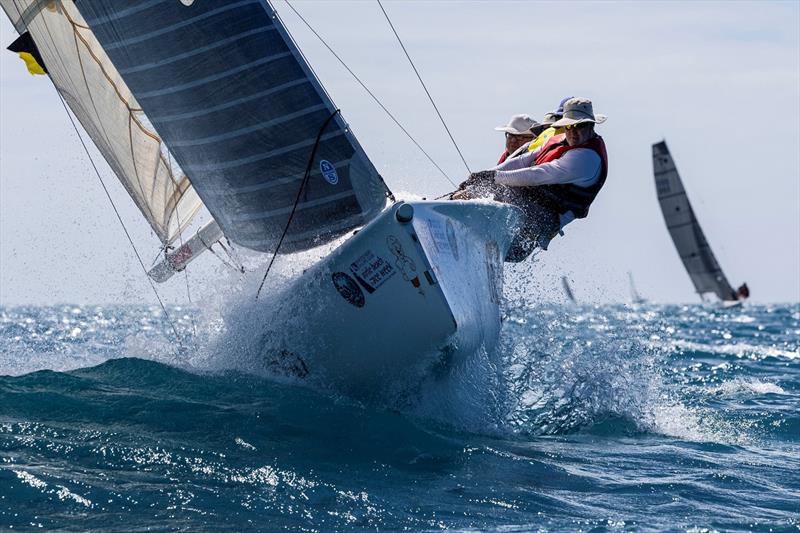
(259, 157)
(270, 183)
(216, 77)
(284, 210)
(250, 129)
(197, 51)
(229, 103)
(169, 29)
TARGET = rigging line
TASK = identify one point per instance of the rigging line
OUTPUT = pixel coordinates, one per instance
(369, 92)
(424, 87)
(210, 248)
(119, 217)
(297, 200)
(180, 237)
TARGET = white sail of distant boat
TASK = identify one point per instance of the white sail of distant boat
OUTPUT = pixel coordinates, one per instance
(567, 289)
(689, 239)
(191, 100)
(635, 296)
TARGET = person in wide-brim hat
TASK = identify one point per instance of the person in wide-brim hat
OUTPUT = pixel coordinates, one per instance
(520, 129)
(578, 111)
(553, 184)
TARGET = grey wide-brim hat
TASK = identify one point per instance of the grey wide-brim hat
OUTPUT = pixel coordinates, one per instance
(577, 111)
(519, 125)
(549, 119)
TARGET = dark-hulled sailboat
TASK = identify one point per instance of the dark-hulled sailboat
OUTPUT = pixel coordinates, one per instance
(691, 243)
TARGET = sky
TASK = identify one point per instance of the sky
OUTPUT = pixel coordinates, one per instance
(720, 81)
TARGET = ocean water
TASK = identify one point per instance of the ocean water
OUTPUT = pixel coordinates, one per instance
(585, 418)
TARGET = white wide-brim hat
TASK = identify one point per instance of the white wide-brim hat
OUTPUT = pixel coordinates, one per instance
(519, 125)
(577, 111)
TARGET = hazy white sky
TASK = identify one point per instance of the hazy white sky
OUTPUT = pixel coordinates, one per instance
(720, 81)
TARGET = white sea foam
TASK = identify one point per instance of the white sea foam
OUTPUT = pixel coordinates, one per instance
(746, 386)
(740, 350)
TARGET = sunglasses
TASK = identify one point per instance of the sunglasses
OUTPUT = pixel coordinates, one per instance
(519, 135)
(579, 126)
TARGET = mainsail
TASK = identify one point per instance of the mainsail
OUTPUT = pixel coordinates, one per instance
(682, 224)
(242, 112)
(103, 104)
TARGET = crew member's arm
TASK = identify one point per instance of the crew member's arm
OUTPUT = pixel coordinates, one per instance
(580, 166)
(515, 163)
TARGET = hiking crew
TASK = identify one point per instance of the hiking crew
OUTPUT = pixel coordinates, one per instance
(553, 184)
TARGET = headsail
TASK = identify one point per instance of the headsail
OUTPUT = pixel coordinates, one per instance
(239, 108)
(682, 224)
(101, 101)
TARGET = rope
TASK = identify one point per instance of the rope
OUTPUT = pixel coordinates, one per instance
(210, 247)
(296, 200)
(180, 237)
(424, 87)
(119, 217)
(369, 92)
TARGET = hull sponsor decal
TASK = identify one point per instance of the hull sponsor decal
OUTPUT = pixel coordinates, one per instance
(371, 271)
(348, 288)
(404, 264)
(328, 172)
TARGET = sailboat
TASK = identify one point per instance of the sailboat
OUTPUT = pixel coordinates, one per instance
(690, 241)
(636, 298)
(567, 289)
(211, 106)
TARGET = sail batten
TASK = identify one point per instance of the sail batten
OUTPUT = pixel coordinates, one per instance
(683, 227)
(113, 45)
(218, 44)
(164, 119)
(242, 113)
(100, 100)
(210, 79)
(289, 209)
(232, 134)
(260, 157)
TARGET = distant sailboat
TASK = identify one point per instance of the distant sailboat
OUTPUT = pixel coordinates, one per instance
(691, 243)
(567, 289)
(635, 296)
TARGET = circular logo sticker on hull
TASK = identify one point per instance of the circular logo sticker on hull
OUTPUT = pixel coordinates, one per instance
(328, 172)
(348, 288)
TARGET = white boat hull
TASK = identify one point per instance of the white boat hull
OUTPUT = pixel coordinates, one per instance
(415, 291)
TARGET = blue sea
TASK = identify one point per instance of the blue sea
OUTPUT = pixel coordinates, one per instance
(584, 418)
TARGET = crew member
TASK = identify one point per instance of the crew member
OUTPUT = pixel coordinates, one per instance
(552, 185)
(519, 131)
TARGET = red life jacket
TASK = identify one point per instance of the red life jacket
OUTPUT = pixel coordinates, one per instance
(503, 156)
(568, 196)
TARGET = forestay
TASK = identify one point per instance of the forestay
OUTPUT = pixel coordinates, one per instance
(239, 108)
(682, 224)
(103, 104)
